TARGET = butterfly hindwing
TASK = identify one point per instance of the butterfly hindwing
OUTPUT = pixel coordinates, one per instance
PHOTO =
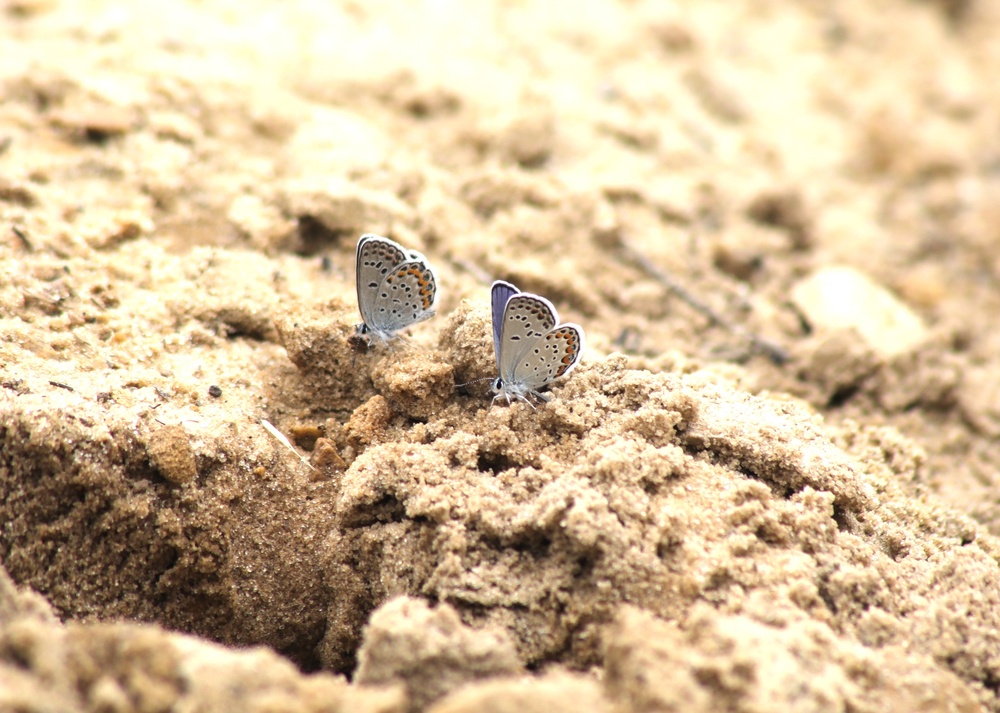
(405, 296)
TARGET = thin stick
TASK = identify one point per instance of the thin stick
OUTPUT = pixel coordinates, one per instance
(23, 237)
(758, 344)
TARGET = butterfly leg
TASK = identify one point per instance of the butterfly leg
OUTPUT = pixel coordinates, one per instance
(526, 400)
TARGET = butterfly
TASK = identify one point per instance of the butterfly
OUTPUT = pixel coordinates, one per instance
(396, 288)
(532, 349)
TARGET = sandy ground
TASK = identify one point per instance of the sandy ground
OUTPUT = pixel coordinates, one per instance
(689, 524)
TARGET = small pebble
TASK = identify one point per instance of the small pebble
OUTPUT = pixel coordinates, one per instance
(305, 436)
(214, 391)
(170, 452)
(326, 459)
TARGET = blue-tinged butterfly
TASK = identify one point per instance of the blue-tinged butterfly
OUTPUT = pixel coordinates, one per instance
(532, 349)
(396, 288)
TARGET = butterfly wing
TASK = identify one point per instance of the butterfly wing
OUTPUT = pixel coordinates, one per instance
(499, 296)
(526, 320)
(376, 257)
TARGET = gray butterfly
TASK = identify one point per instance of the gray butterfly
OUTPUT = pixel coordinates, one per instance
(396, 288)
(531, 347)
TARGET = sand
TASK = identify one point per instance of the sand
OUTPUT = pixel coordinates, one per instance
(771, 484)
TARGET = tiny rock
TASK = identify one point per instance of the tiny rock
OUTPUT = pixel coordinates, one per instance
(170, 452)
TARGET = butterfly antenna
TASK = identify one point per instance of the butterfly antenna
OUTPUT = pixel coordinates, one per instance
(474, 381)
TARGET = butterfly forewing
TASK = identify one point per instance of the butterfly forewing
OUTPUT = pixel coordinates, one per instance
(376, 257)
(527, 318)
